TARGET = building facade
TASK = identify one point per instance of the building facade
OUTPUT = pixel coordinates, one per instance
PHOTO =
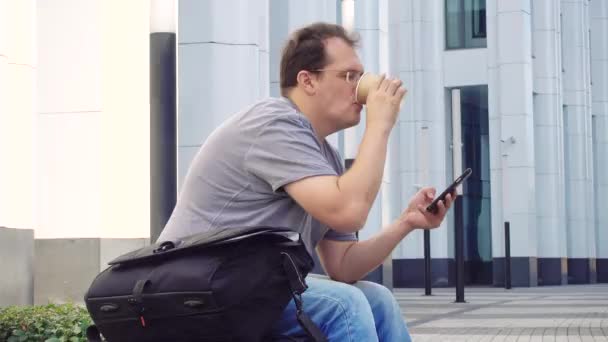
(524, 84)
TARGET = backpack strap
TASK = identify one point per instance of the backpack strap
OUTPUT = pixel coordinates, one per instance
(297, 286)
(137, 302)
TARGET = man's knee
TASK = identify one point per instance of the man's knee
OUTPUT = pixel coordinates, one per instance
(374, 288)
(349, 297)
(378, 296)
(342, 311)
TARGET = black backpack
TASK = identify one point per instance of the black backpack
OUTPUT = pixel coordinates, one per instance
(221, 285)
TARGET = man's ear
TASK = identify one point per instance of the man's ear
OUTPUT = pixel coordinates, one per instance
(307, 82)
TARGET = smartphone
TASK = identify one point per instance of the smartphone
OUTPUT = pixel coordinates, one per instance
(432, 208)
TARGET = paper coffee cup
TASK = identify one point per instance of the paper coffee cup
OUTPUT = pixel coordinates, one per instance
(366, 82)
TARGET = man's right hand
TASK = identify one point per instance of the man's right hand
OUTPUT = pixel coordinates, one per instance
(384, 102)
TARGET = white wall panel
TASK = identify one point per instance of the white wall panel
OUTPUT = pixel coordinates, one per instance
(70, 177)
(69, 56)
(17, 118)
(475, 72)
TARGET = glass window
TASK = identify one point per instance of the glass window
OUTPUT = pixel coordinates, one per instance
(476, 200)
(465, 24)
(479, 18)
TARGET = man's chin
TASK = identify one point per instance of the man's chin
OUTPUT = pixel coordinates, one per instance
(353, 122)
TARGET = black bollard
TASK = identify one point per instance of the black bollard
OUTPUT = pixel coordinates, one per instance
(507, 256)
(459, 248)
(427, 262)
(163, 130)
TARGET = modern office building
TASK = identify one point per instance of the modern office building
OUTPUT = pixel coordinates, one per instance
(515, 90)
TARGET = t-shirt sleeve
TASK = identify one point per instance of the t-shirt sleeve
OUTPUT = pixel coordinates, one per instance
(286, 150)
(337, 236)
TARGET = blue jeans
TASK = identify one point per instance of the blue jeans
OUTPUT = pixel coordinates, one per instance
(364, 311)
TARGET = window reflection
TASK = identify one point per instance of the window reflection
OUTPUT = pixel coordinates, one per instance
(465, 24)
(479, 18)
(476, 190)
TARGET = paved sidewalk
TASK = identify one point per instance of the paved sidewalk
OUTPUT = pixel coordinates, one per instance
(560, 313)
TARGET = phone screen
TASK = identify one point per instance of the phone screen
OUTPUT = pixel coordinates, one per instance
(432, 208)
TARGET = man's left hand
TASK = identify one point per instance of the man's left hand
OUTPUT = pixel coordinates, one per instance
(416, 216)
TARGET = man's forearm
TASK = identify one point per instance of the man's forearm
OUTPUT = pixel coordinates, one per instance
(362, 181)
(364, 256)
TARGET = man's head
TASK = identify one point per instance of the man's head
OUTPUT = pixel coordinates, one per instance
(320, 68)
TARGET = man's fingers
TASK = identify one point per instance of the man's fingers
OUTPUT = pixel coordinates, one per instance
(393, 86)
(384, 84)
(382, 78)
(422, 210)
(430, 193)
(441, 209)
(448, 201)
(401, 91)
(450, 198)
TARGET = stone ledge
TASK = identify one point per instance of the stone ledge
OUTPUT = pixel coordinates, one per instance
(16, 263)
(65, 268)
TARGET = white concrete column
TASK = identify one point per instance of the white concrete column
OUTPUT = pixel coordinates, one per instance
(17, 151)
(367, 25)
(393, 15)
(495, 125)
(590, 191)
(422, 122)
(92, 103)
(287, 16)
(354, 14)
(433, 128)
(371, 23)
(93, 140)
(17, 118)
(577, 116)
(93, 122)
(548, 142)
(599, 71)
(69, 105)
(408, 68)
(264, 48)
(221, 66)
(511, 121)
(125, 139)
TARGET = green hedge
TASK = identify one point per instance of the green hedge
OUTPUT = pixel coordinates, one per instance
(48, 323)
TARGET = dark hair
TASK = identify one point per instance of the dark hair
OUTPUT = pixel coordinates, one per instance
(305, 50)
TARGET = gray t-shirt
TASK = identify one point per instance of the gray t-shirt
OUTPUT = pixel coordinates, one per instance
(237, 177)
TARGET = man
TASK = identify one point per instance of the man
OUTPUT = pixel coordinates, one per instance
(270, 165)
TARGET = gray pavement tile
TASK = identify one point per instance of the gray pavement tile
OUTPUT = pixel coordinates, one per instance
(548, 338)
(537, 335)
(565, 313)
(531, 315)
(542, 331)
